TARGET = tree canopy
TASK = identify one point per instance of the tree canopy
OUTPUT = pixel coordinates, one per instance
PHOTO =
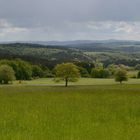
(7, 74)
(121, 75)
(67, 72)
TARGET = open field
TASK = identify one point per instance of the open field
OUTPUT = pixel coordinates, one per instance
(82, 81)
(101, 112)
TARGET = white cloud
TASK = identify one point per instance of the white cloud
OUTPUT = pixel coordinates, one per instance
(91, 30)
(7, 29)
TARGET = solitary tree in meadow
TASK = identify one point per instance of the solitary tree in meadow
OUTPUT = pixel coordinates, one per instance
(67, 72)
(121, 75)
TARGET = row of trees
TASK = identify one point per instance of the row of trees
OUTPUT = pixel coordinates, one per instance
(21, 70)
(26, 71)
(69, 72)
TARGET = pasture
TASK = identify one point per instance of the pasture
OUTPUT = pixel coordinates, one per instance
(81, 81)
(86, 112)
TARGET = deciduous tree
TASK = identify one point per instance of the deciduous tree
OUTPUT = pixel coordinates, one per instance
(67, 72)
(7, 74)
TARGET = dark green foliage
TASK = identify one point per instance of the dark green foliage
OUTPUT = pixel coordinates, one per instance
(87, 65)
(137, 67)
(100, 73)
(37, 71)
(48, 74)
(23, 70)
(51, 53)
(83, 72)
(138, 76)
(95, 73)
(7, 74)
(121, 75)
(105, 73)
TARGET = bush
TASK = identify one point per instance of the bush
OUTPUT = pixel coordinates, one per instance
(121, 75)
(37, 71)
(100, 73)
(83, 72)
(7, 74)
(23, 69)
(138, 76)
(137, 67)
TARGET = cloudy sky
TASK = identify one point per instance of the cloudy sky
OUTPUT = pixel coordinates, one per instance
(43, 20)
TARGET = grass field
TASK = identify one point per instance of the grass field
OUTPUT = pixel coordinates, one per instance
(101, 112)
(82, 81)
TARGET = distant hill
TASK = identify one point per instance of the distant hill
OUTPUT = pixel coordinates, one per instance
(47, 52)
(78, 42)
(107, 51)
(87, 42)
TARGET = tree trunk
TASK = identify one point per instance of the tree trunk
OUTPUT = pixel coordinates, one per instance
(66, 84)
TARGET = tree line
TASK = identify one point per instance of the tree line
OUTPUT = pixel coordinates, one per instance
(18, 69)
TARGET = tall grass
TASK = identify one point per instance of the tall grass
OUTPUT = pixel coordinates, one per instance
(73, 113)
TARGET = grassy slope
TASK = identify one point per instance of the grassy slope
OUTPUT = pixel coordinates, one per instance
(73, 113)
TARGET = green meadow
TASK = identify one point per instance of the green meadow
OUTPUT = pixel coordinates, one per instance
(92, 111)
(81, 81)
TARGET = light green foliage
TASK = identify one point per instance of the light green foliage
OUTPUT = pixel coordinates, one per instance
(67, 72)
(132, 74)
(121, 75)
(7, 74)
(113, 68)
(98, 65)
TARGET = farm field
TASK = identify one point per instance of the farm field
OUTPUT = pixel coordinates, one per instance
(99, 112)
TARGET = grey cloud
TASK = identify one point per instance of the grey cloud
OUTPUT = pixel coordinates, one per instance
(71, 9)
(67, 19)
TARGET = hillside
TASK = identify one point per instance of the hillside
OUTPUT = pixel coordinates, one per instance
(46, 53)
(125, 52)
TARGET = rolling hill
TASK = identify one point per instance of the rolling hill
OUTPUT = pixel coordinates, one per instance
(108, 51)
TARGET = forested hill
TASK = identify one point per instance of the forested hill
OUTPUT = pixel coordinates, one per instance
(108, 52)
(42, 52)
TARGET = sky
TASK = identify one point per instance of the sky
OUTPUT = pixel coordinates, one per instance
(61, 20)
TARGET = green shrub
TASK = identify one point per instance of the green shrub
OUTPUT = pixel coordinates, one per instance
(83, 72)
(121, 75)
(138, 76)
(7, 74)
(37, 71)
(100, 73)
